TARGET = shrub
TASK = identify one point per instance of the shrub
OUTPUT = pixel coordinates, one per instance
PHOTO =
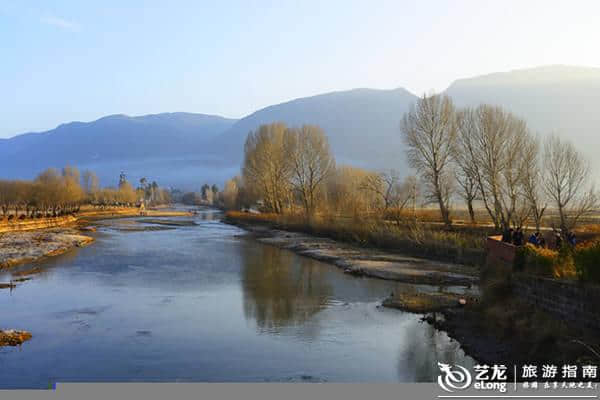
(587, 262)
(536, 260)
(565, 266)
(546, 262)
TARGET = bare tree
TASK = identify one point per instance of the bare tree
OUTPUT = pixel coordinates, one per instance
(266, 166)
(567, 182)
(90, 182)
(429, 131)
(532, 182)
(466, 167)
(231, 192)
(493, 143)
(308, 151)
(391, 195)
(345, 194)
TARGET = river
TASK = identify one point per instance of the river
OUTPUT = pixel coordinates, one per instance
(203, 303)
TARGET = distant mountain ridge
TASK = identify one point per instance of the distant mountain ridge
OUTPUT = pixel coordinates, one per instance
(552, 99)
(110, 139)
(363, 126)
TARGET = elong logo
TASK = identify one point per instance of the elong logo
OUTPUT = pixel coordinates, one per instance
(452, 380)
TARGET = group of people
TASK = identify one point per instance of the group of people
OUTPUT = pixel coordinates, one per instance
(537, 239)
(570, 236)
(517, 237)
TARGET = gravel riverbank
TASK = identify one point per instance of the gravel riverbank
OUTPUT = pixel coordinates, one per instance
(23, 247)
(368, 262)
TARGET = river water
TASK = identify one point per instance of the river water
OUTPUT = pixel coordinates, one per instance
(203, 303)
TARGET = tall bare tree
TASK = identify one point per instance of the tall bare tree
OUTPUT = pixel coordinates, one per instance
(231, 192)
(532, 181)
(307, 149)
(266, 167)
(463, 154)
(567, 182)
(493, 142)
(429, 131)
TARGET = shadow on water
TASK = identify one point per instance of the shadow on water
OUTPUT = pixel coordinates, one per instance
(281, 289)
(424, 348)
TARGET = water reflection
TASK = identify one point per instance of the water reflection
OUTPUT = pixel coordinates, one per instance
(199, 303)
(426, 346)
(281, 289)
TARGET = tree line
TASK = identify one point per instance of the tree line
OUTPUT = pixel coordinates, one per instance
(54, 193)
(485, 156)
(208, 195)
(293, 170)
(489, 155)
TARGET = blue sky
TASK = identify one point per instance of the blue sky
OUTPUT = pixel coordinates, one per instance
(79, 60)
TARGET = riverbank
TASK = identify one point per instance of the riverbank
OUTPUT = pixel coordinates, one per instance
(463, 245)
(86, 215)
(493, 328)
(23, 247)
(25, 241)
(362, 261)
(35, 224)
(501, 328)
(125, 212)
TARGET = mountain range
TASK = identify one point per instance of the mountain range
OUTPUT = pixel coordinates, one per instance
(363, 126)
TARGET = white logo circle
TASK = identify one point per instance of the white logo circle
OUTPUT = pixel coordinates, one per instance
(453, 379)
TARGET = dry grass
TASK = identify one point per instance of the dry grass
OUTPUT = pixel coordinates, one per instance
(417, 239)
(589, 228)
(547, 262)
(253, 217)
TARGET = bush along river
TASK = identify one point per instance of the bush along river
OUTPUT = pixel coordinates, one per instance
(194, 299)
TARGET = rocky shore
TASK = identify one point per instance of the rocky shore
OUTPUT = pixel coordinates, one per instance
(368, 262)
(13, 337)
(23, 247)
(422, 302)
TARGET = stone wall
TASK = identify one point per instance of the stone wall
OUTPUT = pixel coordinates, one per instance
(568, 300)
(37, 223)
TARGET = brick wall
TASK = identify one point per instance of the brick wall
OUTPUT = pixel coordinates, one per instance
(499, 260)
(500, 252)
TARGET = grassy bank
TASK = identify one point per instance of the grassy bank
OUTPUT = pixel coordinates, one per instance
(458, 244)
